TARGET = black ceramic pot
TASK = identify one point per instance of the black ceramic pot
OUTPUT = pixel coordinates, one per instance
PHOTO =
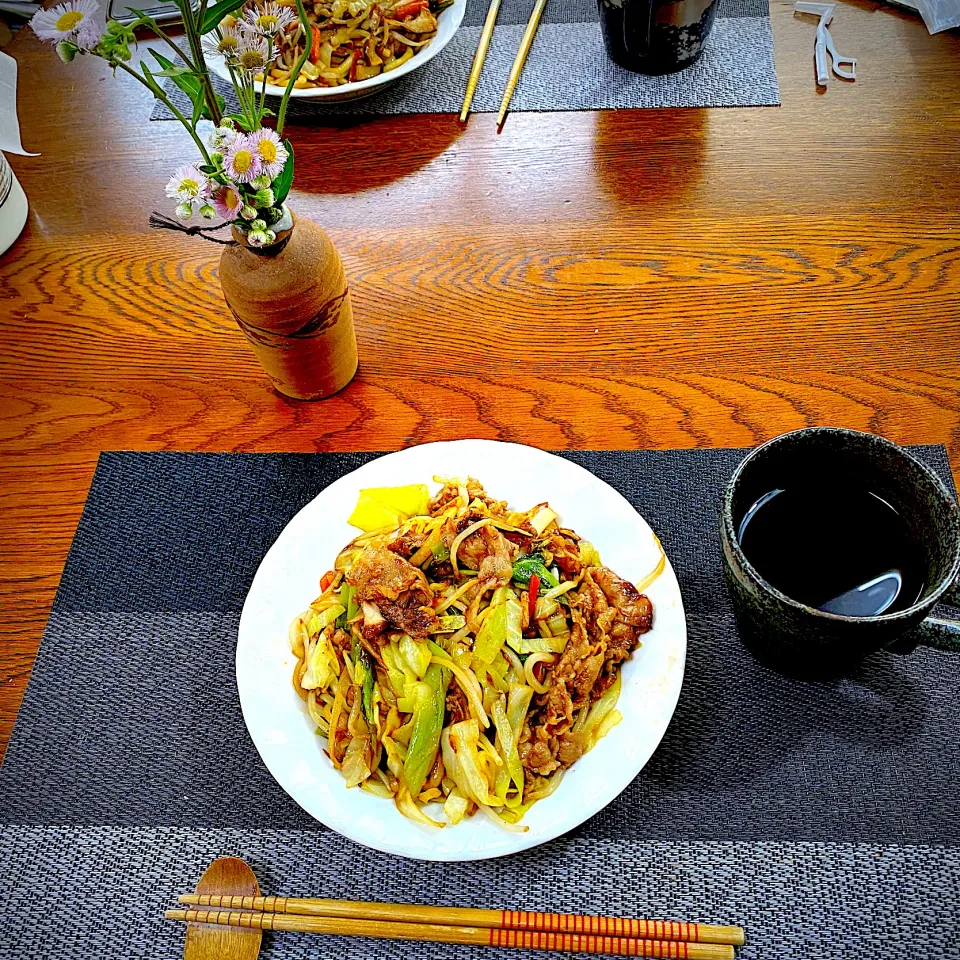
(790, 635)
(656, 36)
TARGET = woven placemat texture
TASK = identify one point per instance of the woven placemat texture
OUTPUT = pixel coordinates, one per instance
(823, 817)
(567, 68)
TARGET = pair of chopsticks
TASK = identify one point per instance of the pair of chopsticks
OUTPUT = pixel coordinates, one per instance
(465, 925)
(518, 62)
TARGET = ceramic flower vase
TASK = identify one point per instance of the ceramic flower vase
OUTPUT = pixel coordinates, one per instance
(292, 302)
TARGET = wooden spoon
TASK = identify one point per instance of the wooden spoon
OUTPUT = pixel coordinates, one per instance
(228, 876)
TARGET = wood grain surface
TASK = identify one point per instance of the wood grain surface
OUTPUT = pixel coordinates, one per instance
(668, 278)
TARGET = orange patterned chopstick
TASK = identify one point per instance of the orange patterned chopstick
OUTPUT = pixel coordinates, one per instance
(492, 919)
(476, 936)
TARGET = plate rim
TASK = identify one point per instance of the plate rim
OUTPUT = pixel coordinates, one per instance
(522, 841)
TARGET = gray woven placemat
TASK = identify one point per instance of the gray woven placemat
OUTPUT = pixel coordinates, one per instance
(824, 817)
(567, 69)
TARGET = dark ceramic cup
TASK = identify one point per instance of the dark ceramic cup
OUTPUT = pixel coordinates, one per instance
(789, 635)
(656, 36)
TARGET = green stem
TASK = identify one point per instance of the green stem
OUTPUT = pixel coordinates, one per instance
(250, 94)
(157, 91)
(200, 64)
(308, 42)
(263, 89)
(239, 88)
(166, 38)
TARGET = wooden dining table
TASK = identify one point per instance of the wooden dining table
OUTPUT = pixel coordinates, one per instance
(631, 279)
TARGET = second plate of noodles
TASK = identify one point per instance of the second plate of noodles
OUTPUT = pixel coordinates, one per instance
(477, 671)
(465, 653)
(358, 46)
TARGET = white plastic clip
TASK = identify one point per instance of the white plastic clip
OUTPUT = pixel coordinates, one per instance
(825, 43)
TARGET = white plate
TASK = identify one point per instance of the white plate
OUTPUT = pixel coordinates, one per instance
(287, 582)
(448, 22)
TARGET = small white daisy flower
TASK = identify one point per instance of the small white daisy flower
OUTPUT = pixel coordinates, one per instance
(242, 162)
(270, 19)
(188, 184)
(88, 36)
(64, 21)
(227, 202)
(271, 151)
(224, 41)
(221, 138)
(251, 52)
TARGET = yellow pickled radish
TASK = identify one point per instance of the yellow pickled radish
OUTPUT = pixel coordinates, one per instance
(412, 499)
(370, 514)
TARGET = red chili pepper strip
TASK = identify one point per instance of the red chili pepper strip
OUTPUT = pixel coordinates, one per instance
(410, 9)
(534, 590)
(326, 580)
(315, 46)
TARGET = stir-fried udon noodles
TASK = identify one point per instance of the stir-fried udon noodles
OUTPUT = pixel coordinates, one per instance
(355, 40)
(465, 656)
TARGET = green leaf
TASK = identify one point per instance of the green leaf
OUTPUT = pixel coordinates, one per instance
(170, 69)
(174, 72)
(240, 120)
(186, 80)
(150, 82)
(217, 12)
(141, 18)
(283, 183)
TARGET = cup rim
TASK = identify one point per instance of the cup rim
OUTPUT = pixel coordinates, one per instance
(922, 605)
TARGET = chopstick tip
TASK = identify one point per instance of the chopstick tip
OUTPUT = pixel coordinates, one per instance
(176, 914)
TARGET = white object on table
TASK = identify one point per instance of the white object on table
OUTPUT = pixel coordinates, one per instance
(939, 14)
(13, 201)
(826, 45)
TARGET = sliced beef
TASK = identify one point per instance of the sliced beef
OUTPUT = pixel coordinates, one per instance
(457, 707)
(552, 715)
(566, 553)
(487, 551)
(475, 491)
(609, 615)
(379, 574)
(407, 544)
(392, 593)
(410, 615)
(633, 613)
(536, 755)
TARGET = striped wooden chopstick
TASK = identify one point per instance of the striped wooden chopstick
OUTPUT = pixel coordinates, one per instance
(479, 57)
(464, 935)
(521, 58)
(620, 927)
